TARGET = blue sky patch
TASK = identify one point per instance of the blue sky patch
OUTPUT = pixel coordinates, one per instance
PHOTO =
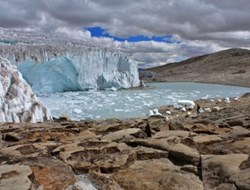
(99, 32)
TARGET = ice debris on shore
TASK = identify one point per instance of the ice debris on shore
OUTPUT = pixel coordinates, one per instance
(227, 100)
(189, 104)
(17, 101)
(154, 112)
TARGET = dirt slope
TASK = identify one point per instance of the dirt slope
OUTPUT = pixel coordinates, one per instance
(231, 67)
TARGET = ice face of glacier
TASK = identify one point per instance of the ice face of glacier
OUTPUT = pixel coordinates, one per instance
(17, 101)
(58, 75)
(53, 64)
(91, 70)
(99, 70)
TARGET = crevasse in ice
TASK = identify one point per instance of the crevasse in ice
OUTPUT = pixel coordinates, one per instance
(17, 101)
(53, 64)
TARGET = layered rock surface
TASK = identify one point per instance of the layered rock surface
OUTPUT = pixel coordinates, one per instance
(209, 151)
(17, 101)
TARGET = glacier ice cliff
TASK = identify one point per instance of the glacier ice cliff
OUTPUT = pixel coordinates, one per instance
(55, 64)
(58, 75)
(17, 101)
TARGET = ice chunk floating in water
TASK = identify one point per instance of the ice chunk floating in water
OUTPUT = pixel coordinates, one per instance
(132, 103)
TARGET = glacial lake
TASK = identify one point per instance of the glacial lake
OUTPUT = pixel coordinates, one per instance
(132, 103)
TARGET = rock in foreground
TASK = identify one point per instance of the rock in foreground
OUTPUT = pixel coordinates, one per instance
(205, 153)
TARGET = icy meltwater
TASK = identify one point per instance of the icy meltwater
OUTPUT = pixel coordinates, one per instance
(132, 103)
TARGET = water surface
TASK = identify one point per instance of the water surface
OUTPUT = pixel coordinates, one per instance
(132, 103)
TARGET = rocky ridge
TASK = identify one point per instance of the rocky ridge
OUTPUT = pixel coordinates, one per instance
(230, 67)
(186, 151)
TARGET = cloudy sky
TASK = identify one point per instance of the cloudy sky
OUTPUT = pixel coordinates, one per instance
(154, 32)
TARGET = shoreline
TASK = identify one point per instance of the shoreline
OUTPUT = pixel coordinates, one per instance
(201, 82)
(141, 107)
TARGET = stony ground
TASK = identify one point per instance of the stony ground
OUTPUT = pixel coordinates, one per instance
(186, 151)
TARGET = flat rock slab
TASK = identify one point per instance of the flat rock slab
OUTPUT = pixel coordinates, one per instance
(158, 174)
(207, 139)
(241, 179)
(242, 144)
(168, 134)
(237, 131)
(216, 169)
(15, 177)
(179, 152)
(50, 173)
(124, 134)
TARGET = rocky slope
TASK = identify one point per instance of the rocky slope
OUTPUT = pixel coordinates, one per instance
(231, 67)
(187, 151)
(17, 101)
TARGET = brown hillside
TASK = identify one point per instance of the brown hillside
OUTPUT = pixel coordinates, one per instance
(231, 67)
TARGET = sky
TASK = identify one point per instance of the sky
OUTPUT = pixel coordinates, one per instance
(153, 32)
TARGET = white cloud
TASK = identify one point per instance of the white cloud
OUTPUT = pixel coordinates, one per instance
(201, 26)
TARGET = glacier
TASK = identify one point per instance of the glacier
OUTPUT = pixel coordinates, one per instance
(53, 63)
(58, 75)
(17, 101)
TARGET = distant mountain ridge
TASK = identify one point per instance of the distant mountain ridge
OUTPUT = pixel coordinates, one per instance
(230, 67)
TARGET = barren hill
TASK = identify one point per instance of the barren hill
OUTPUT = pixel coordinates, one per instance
(231, 67)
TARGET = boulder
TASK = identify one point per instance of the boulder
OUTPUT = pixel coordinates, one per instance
(23, 150)
(50, 173)
(11, 137)
(144, 153)
(241, 179)
(85, 134)
(15, 177)
(236, 122)
(206, 139)
(178, 152)
(158, 174)
(209, 129)
(158, 124)
(125, 134)
(104, 181)
(217, 169)
(237, 131)
(241, 145)
(106, 156)
(167, 134)
(177, 125)
(110, 125)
